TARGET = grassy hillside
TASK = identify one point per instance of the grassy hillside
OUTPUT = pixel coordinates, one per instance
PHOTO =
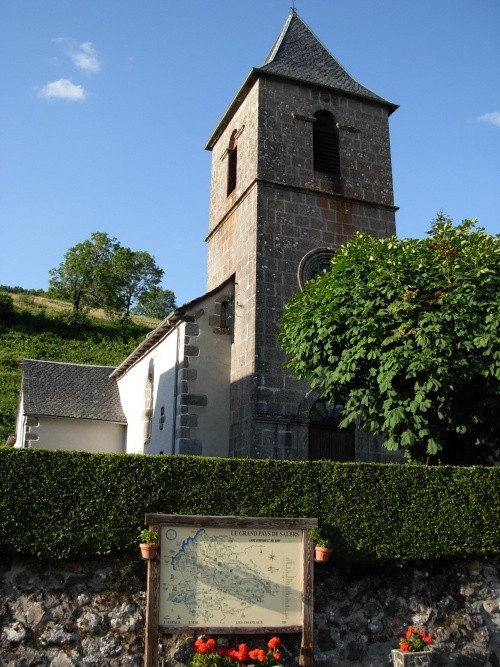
(40, 328)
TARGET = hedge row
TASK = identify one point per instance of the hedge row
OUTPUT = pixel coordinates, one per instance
(55, 503)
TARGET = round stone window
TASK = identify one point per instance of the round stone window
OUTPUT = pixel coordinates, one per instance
(315, 262)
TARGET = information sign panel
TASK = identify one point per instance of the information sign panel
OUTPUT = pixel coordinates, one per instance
(230, 577)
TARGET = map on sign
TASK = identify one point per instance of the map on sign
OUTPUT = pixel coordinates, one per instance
(227, 577)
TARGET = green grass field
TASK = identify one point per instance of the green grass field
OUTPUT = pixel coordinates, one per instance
(41, 328)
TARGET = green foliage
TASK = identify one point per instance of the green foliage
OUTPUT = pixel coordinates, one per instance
(6, 306)
(75, 503)
(84, 275)
(156, 302)
(408, 331)
(58, 337)
(148, 536)
(101, 273)
(319, 537)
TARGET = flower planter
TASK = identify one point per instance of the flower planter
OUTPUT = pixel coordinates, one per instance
(411, 659)
(321, 554)
(148, 550)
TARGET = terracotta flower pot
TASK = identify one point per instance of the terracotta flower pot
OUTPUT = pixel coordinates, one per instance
(322, 554)
(148, 550)
(409, 659)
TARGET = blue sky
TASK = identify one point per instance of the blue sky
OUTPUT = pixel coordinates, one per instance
(107, 106)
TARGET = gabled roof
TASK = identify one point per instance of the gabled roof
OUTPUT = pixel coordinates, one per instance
(298, 55)
(55, 389)
(156, 336)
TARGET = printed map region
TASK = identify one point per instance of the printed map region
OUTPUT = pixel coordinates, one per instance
(227, 577)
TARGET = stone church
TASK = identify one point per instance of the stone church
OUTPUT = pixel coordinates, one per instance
(300, 161)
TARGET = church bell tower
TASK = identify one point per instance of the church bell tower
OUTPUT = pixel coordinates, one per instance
(300, 161)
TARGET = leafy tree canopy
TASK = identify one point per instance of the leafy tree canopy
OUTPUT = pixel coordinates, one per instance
(101, 273)
(406, 333)
(156, 302)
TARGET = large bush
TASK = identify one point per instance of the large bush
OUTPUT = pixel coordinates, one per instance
(406, 335)
(62, 503)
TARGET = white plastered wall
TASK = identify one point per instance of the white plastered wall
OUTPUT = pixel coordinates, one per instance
(84, 435)
(136, 398)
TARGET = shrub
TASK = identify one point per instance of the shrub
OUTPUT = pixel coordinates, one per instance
(75, 503)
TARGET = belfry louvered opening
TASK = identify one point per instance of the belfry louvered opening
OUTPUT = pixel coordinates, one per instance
(326, 149)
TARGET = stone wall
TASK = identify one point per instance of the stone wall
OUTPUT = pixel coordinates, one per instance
(91, 613)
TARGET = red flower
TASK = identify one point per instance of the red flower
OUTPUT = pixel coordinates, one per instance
(410, 631)
(277, 655)
(257, 654)
(427, 639)
(274, 642)
(210, 643)
(404, 646)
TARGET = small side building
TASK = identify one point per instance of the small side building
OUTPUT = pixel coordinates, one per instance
(70, 407)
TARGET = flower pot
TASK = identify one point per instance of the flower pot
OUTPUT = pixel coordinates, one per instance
(409, 659)
(148, 550)
(322, 554)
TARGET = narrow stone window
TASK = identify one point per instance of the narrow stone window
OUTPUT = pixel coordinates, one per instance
(326, 148)
(225, 315)
(232, 163)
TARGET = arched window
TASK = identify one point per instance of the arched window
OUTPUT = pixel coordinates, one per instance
(326, 149)
(147, 420)
(316, 261)
(232, 163)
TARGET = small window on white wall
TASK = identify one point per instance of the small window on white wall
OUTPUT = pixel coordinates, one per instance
(148, 404)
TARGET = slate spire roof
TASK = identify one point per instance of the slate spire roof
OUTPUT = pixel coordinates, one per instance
(55, 389)
(298, 54)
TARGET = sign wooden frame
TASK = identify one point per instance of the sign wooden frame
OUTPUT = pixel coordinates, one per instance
(152, 626)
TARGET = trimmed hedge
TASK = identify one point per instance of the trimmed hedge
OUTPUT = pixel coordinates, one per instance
(55, 503)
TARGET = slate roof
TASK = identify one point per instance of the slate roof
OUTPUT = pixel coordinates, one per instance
(298, 54)
(56, 389)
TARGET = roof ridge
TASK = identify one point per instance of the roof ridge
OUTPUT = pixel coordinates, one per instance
(68, 363)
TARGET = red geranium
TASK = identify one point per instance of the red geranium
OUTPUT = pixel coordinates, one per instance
(207, 654)
(414, 640)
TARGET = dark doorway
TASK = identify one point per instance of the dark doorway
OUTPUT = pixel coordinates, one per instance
(326, 439)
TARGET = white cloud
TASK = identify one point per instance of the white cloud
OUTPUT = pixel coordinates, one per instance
(83, 56)
(493, 118)
(63, 89)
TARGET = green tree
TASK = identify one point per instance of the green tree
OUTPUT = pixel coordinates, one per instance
(100, 272)
(83, 276)
(132, 272)
(408, 331)
(156, 302)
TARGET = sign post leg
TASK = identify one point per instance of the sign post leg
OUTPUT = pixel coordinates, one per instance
(151, 631)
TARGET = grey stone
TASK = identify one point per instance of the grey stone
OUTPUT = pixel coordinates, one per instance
(34, 614)
(110, 646)
(14, 633)
(57, 634)
(91, 622)
(62, 660)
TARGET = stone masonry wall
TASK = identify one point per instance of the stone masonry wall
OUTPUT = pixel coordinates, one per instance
(281, 210)
(90, 613)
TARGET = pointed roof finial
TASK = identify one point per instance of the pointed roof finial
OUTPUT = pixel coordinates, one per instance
(294, 11)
